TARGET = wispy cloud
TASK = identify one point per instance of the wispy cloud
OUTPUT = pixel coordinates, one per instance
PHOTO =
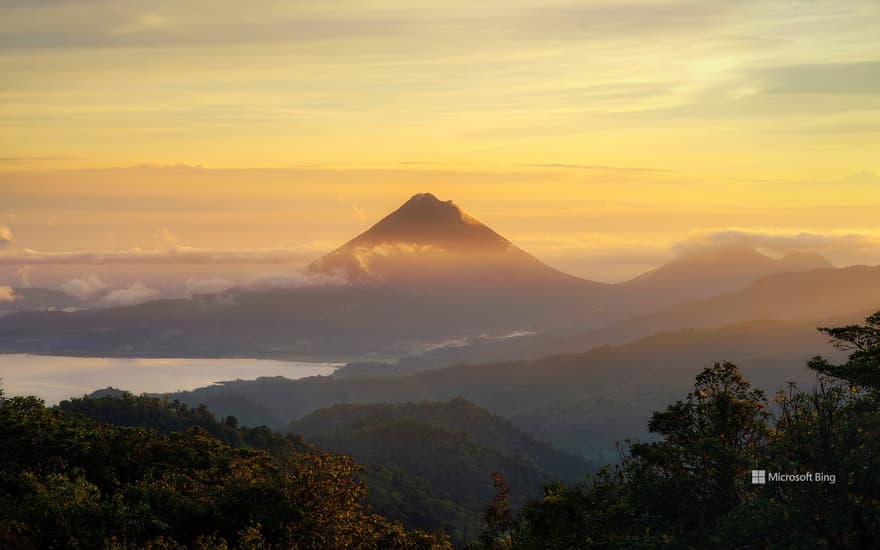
(174, 255)
(34, 159)
(5, 236)
(359, 213)
(146, 24)
(823, 78)
(596, 167)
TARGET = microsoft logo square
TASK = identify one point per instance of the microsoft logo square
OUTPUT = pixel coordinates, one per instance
(759, 477)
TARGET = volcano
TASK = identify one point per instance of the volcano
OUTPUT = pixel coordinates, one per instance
(425, 275)
(429, 241)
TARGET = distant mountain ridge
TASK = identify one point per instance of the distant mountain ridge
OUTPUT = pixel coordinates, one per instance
(715, 270)
(425, 275)
(579, 402)
(29, 298)
(797, 297)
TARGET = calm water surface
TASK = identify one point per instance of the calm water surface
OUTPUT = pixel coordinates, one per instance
(56, 378)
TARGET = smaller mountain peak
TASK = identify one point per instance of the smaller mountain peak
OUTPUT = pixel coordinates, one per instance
(804, 261)
(727, 252)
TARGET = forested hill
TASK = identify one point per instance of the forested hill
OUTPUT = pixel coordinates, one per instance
(428, 465)
(457, 415)
(68, 481)
(447, 448)
(732, 469)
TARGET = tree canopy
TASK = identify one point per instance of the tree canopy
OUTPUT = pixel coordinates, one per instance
(692, 487)
(71, 482)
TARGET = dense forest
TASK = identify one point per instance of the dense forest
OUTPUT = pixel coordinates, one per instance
(72, 482)
(428, 463)
(122, 471)
(692, 488)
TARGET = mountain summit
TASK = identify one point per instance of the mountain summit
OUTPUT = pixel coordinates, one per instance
(425, 275)
(427, 221)
(427, 240)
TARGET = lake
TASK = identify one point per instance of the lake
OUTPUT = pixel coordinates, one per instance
(55, 378)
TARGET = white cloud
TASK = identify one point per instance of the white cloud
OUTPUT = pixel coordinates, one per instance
(164, 239)
(294, 280)
(359, 213)
(783, 241)
(177, 254)
(145, 23)
(7, 294)
(207, 286)
(135, 293)
(24, 275)
(5, 236)
(84, 289)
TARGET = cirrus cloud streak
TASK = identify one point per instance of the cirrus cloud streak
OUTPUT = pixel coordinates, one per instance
(173, 255)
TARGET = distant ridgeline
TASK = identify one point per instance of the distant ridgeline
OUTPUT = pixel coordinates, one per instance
(429, 274)
(582, 403)
(726, 470)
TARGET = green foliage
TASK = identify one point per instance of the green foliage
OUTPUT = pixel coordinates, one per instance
(70, 482)
(166, 416)
(691, 488)
(456, 415)
(429, 463)
(178, 478)
(497, 522)
(708, 442)
(863, 341)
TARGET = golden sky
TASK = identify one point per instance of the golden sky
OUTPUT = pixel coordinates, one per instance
(602, 136)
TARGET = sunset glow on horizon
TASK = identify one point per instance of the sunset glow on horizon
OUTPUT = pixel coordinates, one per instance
(603, 137)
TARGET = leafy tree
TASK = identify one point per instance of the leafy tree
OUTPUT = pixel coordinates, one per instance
(694, 475)
(690, 488)
(497, 522)
(594, 514)
(863, 365)
(70, 482)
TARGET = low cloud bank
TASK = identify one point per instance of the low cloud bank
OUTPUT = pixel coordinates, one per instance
(207, 286)
(85, 289)
(295, 279)
(134, 294)
(7, 294)
(5, 236)
(782, 241)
